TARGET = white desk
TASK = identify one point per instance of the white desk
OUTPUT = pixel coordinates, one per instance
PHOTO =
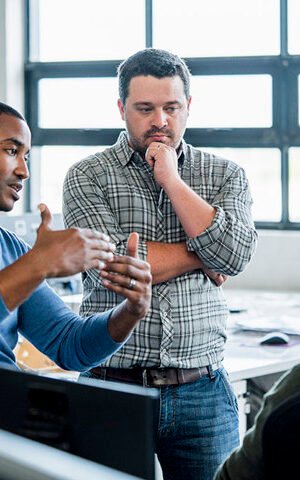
(244, 357)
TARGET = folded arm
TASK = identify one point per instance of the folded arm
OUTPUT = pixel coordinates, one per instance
(169, 260)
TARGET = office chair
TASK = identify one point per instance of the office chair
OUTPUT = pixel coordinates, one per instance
(281, 441)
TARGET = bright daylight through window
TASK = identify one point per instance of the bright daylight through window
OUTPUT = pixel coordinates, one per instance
(245, 86)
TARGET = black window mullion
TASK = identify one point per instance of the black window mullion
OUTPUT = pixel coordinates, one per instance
(149, 23)
(283, 28)
(285, 184)
(283, 68)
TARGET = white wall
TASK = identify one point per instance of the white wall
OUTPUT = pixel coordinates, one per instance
(12, 61)
(12, 53)
(275, 265)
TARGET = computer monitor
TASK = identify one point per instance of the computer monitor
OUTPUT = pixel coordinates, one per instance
(108, 423)
(24, 459)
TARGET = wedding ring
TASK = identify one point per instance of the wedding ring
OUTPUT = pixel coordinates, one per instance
(131, 284)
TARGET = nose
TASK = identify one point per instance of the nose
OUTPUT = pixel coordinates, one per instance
(21, 169)
(159, 118)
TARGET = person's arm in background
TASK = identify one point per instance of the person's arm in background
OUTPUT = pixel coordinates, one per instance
(221, 234)
(85, 206)
(54, 254)
(169, 260)
(246, 462)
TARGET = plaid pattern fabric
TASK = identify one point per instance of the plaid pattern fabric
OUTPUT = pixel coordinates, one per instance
(114, 191)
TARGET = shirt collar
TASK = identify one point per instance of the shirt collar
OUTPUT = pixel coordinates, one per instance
(126, 153)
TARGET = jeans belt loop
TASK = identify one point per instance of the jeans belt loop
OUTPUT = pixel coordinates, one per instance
(211, 373)
(145, 377)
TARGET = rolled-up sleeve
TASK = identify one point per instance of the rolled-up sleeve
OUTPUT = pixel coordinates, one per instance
(228, 244)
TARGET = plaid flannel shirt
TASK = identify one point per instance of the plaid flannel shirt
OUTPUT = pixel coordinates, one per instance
(115, 192)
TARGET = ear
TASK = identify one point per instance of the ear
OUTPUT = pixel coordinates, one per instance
(189, 103)
(121, 109)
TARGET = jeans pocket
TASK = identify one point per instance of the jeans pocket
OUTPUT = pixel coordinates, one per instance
(229, 390)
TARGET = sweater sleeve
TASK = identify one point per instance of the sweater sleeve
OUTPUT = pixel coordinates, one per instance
(73, 342)
(4, 312)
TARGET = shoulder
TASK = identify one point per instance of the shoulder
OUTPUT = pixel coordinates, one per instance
(211, 165)
(94, 164)
(287, 385)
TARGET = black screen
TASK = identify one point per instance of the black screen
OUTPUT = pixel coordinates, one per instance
(105, 422)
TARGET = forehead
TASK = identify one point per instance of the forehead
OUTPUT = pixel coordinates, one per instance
(12, 127)
(149, 89)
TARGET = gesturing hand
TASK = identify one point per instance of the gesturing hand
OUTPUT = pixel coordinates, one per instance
(70, 251)
(130, 277)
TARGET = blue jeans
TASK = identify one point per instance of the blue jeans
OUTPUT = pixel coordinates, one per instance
(197, 427)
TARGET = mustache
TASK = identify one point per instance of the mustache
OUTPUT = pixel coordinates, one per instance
(162, 131)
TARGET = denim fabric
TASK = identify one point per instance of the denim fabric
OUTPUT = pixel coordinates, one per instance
(197, 427)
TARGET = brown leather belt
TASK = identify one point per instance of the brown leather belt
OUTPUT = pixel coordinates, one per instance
(154, 377)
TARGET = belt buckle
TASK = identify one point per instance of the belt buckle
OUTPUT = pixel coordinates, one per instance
(151, 381)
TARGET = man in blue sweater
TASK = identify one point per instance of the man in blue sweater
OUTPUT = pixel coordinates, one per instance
(28, 305)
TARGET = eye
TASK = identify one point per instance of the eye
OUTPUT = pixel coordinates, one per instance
(144, 109)
(12, 151)
(171, 109)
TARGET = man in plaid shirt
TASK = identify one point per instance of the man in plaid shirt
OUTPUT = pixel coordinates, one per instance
(192, 211)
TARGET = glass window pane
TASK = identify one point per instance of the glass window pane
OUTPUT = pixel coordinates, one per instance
(294, 184)
(262, 167)
(213, 28)
(227, 101)
(293, 26)
(79, 103)
(49, 167)
(69, 30)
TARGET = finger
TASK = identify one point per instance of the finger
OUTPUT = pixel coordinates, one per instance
(102, 255)
(97, 264)
(123, 281)
(89, 233)
(129, 267)
(119, 275)
(101, 245)
(149, 156)
(124, 292)
(45, 216)
(132, 245)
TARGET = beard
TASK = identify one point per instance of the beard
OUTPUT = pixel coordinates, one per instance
(140, 144)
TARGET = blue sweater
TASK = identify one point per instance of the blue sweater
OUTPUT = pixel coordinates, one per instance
(70, 341)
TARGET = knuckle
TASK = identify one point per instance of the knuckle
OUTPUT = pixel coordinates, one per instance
(148, 277)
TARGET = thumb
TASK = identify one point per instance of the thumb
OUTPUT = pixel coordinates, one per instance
(45, 216)
(132, 245)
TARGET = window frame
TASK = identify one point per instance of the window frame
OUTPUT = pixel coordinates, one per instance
(283, 134)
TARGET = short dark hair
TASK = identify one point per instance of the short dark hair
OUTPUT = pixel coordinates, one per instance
(4, 108)
(155, 62)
